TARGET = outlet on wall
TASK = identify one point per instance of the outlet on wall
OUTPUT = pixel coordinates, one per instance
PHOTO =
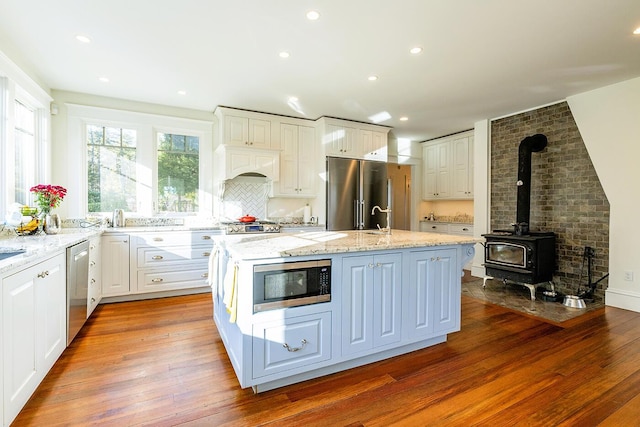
(628, 275)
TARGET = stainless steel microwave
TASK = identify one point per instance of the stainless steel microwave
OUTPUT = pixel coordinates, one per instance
(291, 284)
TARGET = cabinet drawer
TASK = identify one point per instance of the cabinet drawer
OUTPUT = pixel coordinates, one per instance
(287, 344)
(464, 229)
(160, 280)
(149, 256)
(434, 227)
(174, 238)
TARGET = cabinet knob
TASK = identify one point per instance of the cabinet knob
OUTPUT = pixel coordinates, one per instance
(205, 275)
(157, 279)
(92, 263)
(43, 274)
(206, 237)
(465, 229)
(157, 257)
(93, 281)
(93, 300)
(206, 253)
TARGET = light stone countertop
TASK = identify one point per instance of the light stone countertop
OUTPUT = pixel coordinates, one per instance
(37, 247)
(251, 247)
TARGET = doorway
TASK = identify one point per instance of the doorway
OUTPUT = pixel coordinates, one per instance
(400, 176)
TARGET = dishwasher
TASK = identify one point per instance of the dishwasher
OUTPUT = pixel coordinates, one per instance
(77, 287)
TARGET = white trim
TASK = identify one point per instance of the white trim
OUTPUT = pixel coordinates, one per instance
(529, 109)
(33, 91)
(623, 299)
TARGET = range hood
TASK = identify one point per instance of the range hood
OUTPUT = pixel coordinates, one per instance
(234, 161)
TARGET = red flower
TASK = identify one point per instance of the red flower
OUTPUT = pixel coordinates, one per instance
(48, 196)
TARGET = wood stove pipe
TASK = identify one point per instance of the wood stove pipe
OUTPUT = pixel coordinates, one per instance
(528, 145)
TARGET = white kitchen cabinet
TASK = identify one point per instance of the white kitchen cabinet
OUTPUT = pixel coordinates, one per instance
(374, 145)
(446, 228)
(94, 289)
(462, 169)
(448, 168)
(298, 160)
(372, 301)
(433, 293)
(247, 132)
(341, 141)
(436, 182)
(115, 265)
(34, 332)
(170, 260)
(290, 343)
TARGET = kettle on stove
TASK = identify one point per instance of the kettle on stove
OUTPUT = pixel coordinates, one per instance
(118, 218)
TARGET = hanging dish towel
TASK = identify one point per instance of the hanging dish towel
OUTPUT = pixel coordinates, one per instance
(231, 291)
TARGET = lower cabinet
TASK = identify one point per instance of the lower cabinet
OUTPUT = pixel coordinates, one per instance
(115, 265)
(34, 332)
(433, 293)
(371, 301)
(287, 344)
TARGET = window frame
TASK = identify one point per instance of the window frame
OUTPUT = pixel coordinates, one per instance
(147, 127)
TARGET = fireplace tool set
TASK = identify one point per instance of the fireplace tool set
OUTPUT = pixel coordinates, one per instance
(578, 301)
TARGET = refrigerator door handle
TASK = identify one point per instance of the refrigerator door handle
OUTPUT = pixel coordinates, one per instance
(355, 214)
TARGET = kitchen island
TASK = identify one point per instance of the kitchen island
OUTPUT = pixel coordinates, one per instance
(390, 294)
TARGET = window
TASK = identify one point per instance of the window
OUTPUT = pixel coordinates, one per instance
(24, 152)
(111, 169)
(178, 172)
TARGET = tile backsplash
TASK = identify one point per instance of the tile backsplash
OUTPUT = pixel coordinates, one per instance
(245, 196)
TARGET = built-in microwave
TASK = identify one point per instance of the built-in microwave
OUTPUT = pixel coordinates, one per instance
(291, 284)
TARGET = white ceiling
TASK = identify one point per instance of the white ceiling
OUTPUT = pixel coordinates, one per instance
(481, 59)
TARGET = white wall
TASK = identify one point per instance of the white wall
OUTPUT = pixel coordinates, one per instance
(609, 122)
(481, 192)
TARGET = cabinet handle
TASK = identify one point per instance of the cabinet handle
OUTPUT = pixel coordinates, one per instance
(93, 300)
(92, 263)
(93, 281)
(378, 264)
(293, 349)
(465, 229)
(156, 280)
(125, 241)
(157, 257)
(434, 227)
(43, 274)
(92, 247)
(371, 265)
(206, 253)
(158, 239)
(205, 275)
(206, 237)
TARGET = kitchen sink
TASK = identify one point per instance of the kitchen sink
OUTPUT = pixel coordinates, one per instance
(9, 252)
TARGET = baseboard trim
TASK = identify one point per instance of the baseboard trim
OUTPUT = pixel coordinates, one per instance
(622, 299)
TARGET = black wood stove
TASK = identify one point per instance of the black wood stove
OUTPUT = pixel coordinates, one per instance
(520, 255)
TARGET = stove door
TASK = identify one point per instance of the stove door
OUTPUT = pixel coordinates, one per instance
(508, 254)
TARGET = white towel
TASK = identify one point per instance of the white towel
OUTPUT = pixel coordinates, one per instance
(212, 279)
(231, 291)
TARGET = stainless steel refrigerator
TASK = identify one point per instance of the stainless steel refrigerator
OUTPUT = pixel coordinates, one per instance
(354, 187)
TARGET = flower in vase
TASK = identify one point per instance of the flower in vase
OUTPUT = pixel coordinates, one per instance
(48, 196)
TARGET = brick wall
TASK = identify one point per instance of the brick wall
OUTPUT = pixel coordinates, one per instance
(566, 195)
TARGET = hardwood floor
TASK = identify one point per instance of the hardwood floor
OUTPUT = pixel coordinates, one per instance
(162, 363)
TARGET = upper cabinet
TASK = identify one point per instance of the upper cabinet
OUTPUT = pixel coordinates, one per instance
(343, 138)
(298, 171)
(448, 168)
(240, 128)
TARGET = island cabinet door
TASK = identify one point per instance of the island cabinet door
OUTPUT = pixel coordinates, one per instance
(371, 309)
(434, 293)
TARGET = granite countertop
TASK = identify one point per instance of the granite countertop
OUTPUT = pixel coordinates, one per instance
(330, 242)
(39, 246)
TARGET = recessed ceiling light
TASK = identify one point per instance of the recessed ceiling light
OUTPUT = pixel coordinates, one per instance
(182, 92)
(83, 39)
(380, 117)
(636, 31)
(416, 50)
(373, 78)
(313, 15)
(284, 54)
(104, 79)
(404, 119)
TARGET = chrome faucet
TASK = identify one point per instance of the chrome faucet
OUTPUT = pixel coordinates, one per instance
(386, 229)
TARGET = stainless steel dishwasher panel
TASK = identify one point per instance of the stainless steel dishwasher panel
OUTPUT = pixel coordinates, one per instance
(77, 287)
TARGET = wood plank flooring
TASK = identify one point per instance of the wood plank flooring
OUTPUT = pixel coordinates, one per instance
(162, 363)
